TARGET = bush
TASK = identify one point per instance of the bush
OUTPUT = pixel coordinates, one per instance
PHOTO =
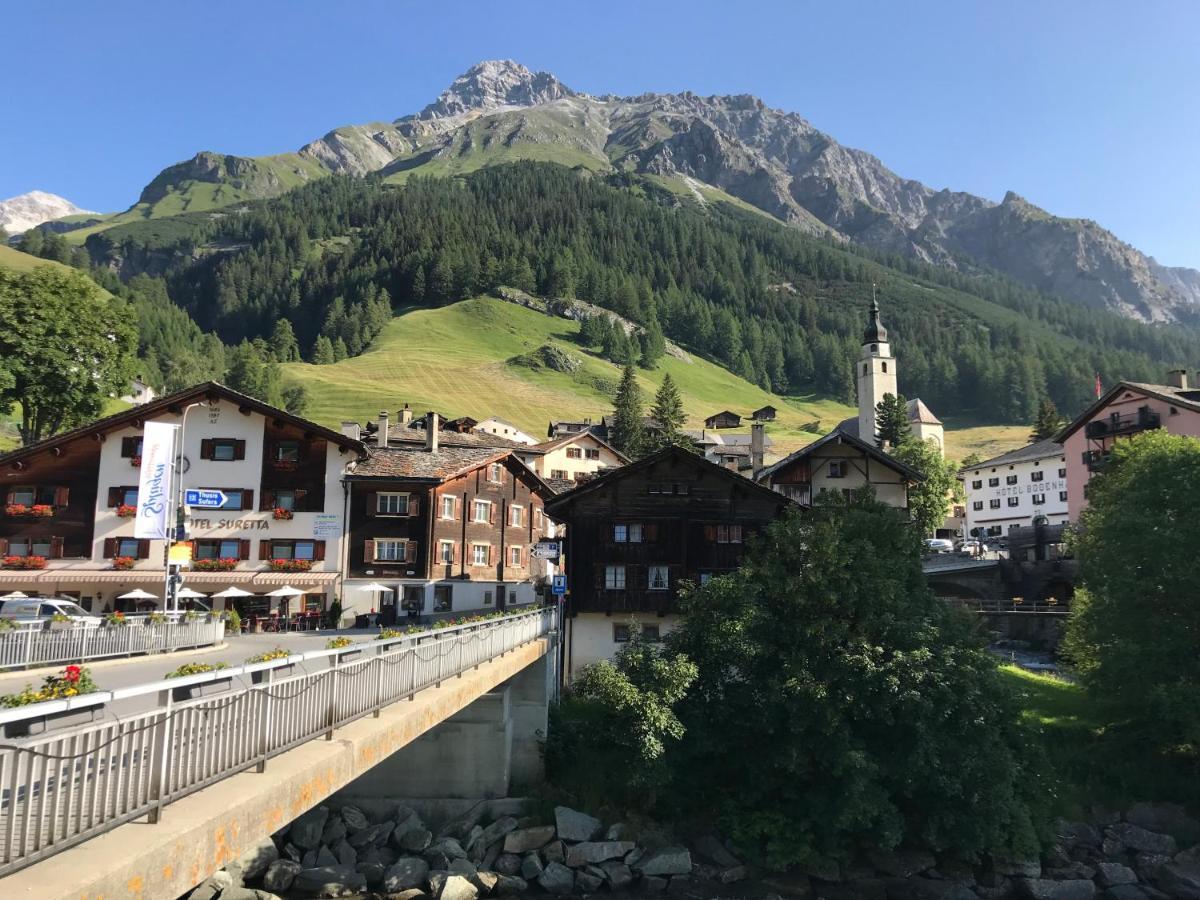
(840, 705)
(233, 621)
(333, 615)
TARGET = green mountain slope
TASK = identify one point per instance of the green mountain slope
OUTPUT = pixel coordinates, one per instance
(457, 359)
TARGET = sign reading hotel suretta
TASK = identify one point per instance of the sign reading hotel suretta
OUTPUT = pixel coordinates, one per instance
(154, 481)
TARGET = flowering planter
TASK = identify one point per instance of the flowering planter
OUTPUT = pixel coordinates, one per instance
(214, 565)
(261, 676)
(66, 718)
(290, 565)
(124, 563)
(24, 562)
(204, 689)
(126, 512)
(282, 515)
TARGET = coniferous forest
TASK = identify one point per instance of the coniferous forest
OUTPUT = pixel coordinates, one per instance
(319, 271)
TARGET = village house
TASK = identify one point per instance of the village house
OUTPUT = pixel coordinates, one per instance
(1124, 411)
(560, 427)
(840, 464)
(68, 521)
(572, 457)
(446, 528)
(635, 533)
(764, 414)
(723, 419)
(502, 428)
(1011, 490)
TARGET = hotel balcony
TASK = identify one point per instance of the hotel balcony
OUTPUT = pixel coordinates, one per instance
(1096, 460)
(1116, 424)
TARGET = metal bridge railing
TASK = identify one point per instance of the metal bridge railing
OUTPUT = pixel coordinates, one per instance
(33, 644)
(60, 789)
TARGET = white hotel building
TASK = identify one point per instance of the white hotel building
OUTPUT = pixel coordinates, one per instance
(1010, 490)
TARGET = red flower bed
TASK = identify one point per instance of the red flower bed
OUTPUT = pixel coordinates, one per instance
(291, 565)
(24, 562)
(16, 509)
(214, 565)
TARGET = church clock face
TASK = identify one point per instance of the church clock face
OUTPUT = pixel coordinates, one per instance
(184, 465)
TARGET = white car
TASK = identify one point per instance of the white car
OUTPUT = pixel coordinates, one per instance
(939, 545)
(40, 609)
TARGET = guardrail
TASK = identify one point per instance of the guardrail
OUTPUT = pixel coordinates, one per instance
(60, 789)
(34, 644)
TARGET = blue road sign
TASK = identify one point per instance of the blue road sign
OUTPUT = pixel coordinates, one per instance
(559, 587)
(205, 499)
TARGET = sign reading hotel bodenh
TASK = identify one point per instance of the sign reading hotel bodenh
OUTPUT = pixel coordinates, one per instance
(154, 482)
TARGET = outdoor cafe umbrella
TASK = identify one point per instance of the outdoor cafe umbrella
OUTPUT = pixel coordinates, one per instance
(232, 591)
(189, 594)
(138, 594)
(377, 588)
(15, 595)
(286, 591)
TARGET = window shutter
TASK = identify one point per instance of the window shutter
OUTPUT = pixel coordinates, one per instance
(239, 449)
(56, 548)
(114, 497)
(264, 549)
(372, 505)
(650, 532)
(368, 551)
(453, 552)
(206, 448)
(710, 533)
(414, 504)
(268, 500)
(489, 555)
(457, 507)
(247, 499)
(244, 549)
(599, 576)
(492, 514)
(143, 551)
(318, 550)
(3, 546)
(110, 548)
(61, 496)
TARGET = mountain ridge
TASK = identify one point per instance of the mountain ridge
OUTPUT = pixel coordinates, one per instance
(19, 214)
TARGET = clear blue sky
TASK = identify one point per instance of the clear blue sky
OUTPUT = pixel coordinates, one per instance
(1086, 108)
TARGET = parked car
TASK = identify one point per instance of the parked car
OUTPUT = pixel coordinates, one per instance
(971, 547)
(34, 609)
(939, 545)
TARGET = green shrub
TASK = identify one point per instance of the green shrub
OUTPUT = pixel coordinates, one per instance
(195, 669)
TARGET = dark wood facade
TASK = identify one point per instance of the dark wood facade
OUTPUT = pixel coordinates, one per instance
(293, 467)
(635, 533)
(723, 419)
(63, 479)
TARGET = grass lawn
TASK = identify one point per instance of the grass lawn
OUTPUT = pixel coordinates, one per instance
(23, 262)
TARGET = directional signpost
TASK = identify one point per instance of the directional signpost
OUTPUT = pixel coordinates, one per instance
(559, 586)
(205, 499)
(546, 550)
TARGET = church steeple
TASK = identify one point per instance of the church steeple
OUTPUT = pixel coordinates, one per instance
(875, 333)
(876, 371)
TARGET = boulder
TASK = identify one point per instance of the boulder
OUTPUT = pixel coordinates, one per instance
(618, 875)
(1135, 837)
(508, 864)
(1181, 881)
(436, 881)
(355, 818)
(531, 866)
(1071, 870)
(557, 878)
(485, 881)
(711, 848)
(901, 863)
(292, 852)
(862, 889)
(346, 855)
(1078, 834)
(448, 846)
(732, 875)
(578, 855)
(463, 867)
(1111, 873)
(491, 855)
(436, 859)
(335, 830)
(211, 887)
(575, 826)
(407, 872)
(305, 832)
(1022, 868)
(1125, 892)
(618, 831)
(522, 840)
(329, 881)
(1149, 864)
(497, 830)
(652, 885)
(1165, 818)
(555, 851)
(280, 875)
(410, 894)
(458, 887)
(587, 883)
(373, 872)
(414, 840)
(667, 861)
(1045, 889)
(376, 834)
(507, 885)
(254, 862)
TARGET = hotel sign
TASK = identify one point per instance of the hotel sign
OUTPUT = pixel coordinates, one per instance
(154, 481)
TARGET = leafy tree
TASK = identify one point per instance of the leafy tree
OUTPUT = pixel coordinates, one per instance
(1132, 631)
(283, 342)
(1048, 421)
(628, 431)
(65, 349)
(891, 421)
(971, 460)
(840, 705)
(929, 501)
(252, 374)
(667, 410)
(322, 354)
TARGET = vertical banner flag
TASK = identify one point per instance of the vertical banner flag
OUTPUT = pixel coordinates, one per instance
(154, 483)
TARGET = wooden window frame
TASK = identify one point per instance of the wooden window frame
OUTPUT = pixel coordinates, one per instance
(610, 584)
(401, 543)
(475, 504)
(209, 449)
(381, 513)
(514, 550)
(650, 577)
(487, 553)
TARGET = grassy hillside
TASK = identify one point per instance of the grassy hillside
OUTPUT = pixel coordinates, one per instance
(23, 262)
(455, 360)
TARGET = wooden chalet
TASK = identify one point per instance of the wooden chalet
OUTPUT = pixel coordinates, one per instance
(723, 419)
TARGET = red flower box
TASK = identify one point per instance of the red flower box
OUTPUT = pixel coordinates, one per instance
(16, 509)
(291, 565)
(24, 562)
(124, 562)
(214, 565)
(125, 511)
(281, 513)
(41, 510)
(135, 461)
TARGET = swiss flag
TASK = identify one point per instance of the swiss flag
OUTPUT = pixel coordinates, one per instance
(1099, 387)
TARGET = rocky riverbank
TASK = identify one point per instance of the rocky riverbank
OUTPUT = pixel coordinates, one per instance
(383, 849)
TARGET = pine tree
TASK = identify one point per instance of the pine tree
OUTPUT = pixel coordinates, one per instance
(891, 421)
(667, 411)
(339, 350)
(1048, 421)
(628, 432)
(283, 342)
(652, 345)
(322, 353)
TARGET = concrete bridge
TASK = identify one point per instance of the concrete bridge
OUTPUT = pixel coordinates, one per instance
(152, 804)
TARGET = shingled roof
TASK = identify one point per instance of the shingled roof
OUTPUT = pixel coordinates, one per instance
(1035, 451)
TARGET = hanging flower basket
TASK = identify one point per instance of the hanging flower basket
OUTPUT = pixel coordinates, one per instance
(291, 565)
(123, 563)
(214, 565)
(282, 514)
(24, 562)
(125, 511)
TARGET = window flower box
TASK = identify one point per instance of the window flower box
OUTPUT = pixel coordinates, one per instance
(41, 511)
(125, 511)
(227, 564)
(123, 563)
(282, 514)
(24, 562)
(37, 511)
(291, 565)
(74, 682)
(16, 509)
(135, 461)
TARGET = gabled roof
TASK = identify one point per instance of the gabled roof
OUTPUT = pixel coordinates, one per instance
(177, 401)
(842, 437)
(1189, 398)
(419, 464)
(1037, 450)
(725, 412)
(562, 440)
(399, 435)
(919, 412)
(645, 462)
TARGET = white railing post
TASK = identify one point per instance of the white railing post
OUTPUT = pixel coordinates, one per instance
(264, 727)
(161, 758)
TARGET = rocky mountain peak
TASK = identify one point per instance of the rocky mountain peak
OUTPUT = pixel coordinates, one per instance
(493, 84)
(18, 214)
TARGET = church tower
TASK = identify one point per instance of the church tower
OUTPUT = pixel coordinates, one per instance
(876, 373)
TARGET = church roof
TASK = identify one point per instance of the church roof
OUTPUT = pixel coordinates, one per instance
(919, 412)
(875, 333)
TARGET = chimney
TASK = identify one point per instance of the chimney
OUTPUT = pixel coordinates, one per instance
(351, 430)
(1177, 378)
(381, 436)
(756, 449)
(431, 432)
(406, 416)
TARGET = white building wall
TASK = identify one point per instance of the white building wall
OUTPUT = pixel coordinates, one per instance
(876, 376)
(590, 635)
(503, 429)
(998, 507)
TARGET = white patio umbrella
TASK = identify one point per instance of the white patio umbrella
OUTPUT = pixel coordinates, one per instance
(15, 595)
(377, 588)
(286, 591)
(138, 594)
(189, 594)
(232, 591)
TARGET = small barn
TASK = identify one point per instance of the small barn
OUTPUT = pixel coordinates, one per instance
(723, 419)
(764, 414)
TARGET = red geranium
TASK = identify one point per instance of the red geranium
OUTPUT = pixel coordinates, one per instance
(72, 673)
